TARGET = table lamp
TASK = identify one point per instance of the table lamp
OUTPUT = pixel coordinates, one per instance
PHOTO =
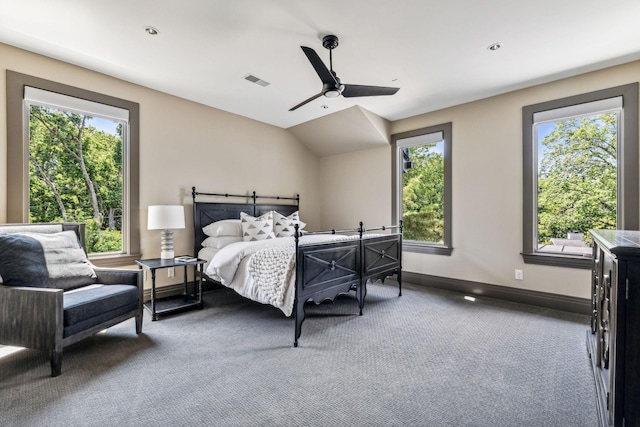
(166, 218)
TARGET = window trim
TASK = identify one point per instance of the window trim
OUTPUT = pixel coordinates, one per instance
(396, 199)
(18, 156)
(628, 216)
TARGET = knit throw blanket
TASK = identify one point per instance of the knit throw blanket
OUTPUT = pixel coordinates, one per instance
(271, 270)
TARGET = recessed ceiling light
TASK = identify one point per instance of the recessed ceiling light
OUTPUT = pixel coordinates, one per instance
(152, 31)
(469, 298)
(495, 46)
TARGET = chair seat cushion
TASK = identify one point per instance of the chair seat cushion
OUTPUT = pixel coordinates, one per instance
(94, 304)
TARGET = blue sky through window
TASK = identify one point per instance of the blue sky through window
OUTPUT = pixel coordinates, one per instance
(106, 125)
(544, 129)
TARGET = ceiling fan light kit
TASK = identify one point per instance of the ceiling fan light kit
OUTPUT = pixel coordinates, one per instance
(332, 93)
(331, 85)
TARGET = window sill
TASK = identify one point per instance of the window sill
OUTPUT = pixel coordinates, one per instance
(120, 260)
(425, 248)
(568, 261)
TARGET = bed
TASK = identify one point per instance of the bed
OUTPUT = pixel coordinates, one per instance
(296, 267)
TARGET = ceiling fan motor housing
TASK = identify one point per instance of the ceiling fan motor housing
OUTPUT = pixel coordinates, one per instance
(332, 90)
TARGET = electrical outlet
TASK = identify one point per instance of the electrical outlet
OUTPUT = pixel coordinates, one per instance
(519, 275)
(170, 272)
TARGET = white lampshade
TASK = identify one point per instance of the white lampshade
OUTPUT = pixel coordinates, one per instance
(165, 217)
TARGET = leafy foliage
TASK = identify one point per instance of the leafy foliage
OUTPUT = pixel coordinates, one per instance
(75, 175)
(101, 240)
(423, 195)
(577, 177)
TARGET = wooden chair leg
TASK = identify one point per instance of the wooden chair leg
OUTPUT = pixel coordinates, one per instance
(56, 362)
(139, 324)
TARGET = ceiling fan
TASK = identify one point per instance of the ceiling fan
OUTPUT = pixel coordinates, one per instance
(331, 85)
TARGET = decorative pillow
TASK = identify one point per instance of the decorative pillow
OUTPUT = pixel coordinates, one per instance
(226, 227)
(220, 242)
(44, 260)
(284, 226)
(260, 228)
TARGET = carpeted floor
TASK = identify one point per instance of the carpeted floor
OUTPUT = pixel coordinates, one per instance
(428, 358)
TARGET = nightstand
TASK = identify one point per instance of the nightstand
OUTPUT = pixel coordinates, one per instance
(174, 303)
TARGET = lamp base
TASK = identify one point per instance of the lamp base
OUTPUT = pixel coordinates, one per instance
(166, 245)
(167, 255)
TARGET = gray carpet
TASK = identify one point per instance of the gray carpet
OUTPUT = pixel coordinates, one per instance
(428, 358)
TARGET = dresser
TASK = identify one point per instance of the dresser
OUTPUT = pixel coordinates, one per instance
(613, 341)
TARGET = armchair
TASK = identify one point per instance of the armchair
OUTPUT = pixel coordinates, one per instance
(49, 299)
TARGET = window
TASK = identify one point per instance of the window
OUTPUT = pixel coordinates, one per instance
(76, 165)
(73, 156)
(580, 172)
(421, 171)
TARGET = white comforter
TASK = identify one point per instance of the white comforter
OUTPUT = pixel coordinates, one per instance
(263, 270)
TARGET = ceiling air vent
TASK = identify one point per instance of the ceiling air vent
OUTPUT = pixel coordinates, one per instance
(256, 80)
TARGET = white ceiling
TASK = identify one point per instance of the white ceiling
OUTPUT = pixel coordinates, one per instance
(435, 51)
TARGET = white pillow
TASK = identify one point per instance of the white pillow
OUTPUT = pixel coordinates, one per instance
(284, 226)
(226, 227)
(220, 242)
(260, 228)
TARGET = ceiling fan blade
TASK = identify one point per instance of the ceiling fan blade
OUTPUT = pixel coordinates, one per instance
(322, 70)
(306, 101)
(351, 91)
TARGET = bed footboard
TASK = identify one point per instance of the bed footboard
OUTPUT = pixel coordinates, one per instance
(326, 270)
(382, 257)
(323, 272)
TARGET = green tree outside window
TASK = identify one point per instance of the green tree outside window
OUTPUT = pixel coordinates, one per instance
(76, 175)
(577, 177)
(423, 194)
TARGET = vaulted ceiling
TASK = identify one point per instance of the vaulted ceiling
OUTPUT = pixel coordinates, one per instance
(436, 52)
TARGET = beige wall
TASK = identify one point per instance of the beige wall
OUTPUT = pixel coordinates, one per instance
(184, 144)
(356, 187)
(487, 187)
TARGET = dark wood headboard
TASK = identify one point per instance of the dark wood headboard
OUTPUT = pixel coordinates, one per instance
(204, 213)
